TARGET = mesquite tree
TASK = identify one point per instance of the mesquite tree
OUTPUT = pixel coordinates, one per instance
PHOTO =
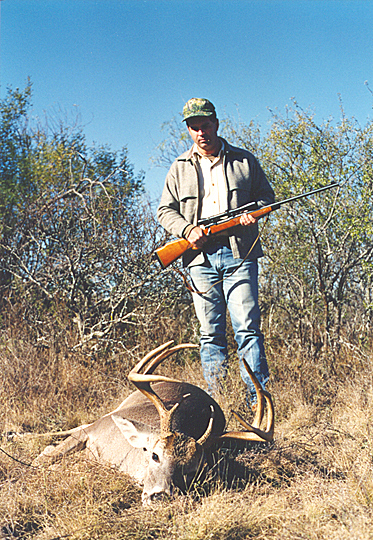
(77, 239)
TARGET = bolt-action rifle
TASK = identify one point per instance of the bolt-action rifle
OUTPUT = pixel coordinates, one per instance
(171, 251)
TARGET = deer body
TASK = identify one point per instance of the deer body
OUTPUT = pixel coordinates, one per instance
(158, 434)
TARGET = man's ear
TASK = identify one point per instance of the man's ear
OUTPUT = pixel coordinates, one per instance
(135, 437)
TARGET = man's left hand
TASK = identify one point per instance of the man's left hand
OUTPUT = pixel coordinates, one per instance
(247, 219)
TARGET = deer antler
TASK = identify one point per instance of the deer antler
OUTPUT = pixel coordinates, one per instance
(253, 432)
(205, 439)
(143, 380)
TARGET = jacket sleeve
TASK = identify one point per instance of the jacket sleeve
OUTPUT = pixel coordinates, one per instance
(261, 190)
(169, 210)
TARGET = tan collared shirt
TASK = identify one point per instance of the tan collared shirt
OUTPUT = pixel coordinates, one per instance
(212, 185)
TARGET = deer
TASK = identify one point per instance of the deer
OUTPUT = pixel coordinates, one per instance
(163, 431)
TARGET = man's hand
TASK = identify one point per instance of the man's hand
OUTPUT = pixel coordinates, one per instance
(247, 219)
(196, 237)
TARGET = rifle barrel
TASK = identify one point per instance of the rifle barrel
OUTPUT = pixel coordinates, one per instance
(275, 207)
(250, 207)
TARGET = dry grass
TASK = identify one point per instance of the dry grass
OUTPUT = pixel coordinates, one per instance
(314, 482)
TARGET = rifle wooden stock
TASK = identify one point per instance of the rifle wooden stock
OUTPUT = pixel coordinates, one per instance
(171, 251)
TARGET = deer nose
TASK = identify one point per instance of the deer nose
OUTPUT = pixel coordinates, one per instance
(159, 497)
(156, 496)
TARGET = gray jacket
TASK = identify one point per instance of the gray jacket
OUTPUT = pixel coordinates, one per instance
(180, 201)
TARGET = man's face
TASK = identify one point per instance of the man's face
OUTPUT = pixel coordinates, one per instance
(204, 133)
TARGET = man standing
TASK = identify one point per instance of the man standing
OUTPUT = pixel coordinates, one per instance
(210, 178)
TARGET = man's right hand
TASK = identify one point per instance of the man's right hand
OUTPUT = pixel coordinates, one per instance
(197, 237)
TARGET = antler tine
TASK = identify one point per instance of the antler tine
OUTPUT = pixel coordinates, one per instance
(137, 368)
(252, 429)
(254, 433)
(270, 414)
(206, 439)
(156, 361)
(142, 381)
(166, 426)
(259, 413)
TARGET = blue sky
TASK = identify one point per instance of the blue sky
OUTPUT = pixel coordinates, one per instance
(127, 66)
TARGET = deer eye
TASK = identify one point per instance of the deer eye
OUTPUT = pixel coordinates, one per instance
(155, 457)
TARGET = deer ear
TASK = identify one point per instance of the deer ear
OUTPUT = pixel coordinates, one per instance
(135, 437)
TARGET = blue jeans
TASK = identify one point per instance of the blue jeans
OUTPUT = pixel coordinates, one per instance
(238, 293)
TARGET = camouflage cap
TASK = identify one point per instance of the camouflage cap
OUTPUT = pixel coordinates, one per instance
(198, 107)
